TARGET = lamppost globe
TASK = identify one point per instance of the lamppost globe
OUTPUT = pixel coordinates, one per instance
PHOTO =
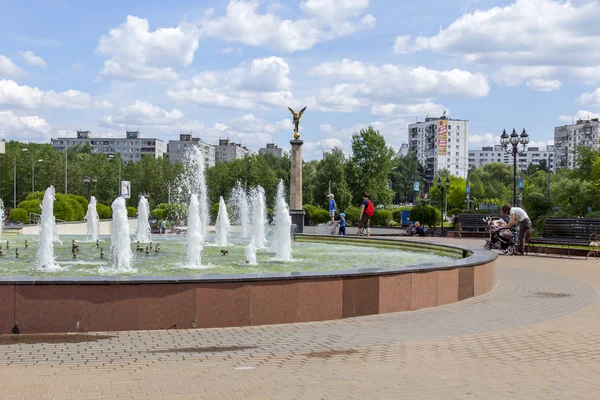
(439, 182)
(447, 183)
(504, 138)
(524, 138)
(514, 137)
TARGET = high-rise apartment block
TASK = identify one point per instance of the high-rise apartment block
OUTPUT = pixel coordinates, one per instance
(176, 149)
(568, 137)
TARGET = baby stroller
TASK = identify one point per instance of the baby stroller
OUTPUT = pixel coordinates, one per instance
(501, 238)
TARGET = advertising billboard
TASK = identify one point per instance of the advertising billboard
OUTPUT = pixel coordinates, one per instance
(126, 189)
(442, 137)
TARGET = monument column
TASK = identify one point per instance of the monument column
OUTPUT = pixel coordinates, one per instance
(296, 211)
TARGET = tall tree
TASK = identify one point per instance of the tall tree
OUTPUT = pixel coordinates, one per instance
(405, 171)
(332, 168)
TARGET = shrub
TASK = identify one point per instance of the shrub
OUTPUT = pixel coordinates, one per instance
(162, 206)
(81, 200)
(175, 211)
(397, 213)
(158, 213)
(427, 215)
(31, 206)
(352, 214)
(35, 196)
(321, 216)
(309, 209)
(19, 215)
(104, 212)
(381, 218)
(131, 212)
(63, 209)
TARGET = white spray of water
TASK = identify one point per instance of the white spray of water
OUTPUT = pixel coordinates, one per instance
(282, 243)
(143, 233)
(93, 221)
(1, 216)
(120, 246)
(45, 253)
(259, 217)
(250, 253)
(193, 181)
(241, 209)
(194, 233)
(222, 225)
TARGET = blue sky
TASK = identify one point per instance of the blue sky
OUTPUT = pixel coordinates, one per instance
(230, 69)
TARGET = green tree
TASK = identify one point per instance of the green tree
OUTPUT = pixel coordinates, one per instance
(370, 166)
(405, 171)
(332, 168)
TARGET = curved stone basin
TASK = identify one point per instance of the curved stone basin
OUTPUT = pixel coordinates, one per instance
(38, 304)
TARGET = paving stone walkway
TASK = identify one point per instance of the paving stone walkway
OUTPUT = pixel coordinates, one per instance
(535, 336)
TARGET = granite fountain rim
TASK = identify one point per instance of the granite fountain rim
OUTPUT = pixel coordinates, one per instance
(472, 256)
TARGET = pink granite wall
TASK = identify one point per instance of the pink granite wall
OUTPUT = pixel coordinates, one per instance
(131, 306)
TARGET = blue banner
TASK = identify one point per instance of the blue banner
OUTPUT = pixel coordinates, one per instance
(416, 186)
(468, 189)
(521, 184)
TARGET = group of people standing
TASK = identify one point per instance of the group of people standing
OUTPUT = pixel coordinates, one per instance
(366, 212)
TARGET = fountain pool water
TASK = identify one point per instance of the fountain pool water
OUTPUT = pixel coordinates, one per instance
(45, 252)
(222, 226)
(172, 260)
(93, 221)
(143, 232)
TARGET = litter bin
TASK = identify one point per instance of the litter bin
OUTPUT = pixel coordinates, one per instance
(405, 217)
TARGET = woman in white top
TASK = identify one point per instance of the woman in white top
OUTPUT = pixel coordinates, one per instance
(518, 216)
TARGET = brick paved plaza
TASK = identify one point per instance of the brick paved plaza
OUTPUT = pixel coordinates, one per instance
(535, 336)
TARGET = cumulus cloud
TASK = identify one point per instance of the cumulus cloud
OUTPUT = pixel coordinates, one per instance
(401, 45)
(544, 85)
(315, 150)
(30, 58)
(370, 85)
(321, 20)
(15, 95)
(591, 99)
(581, 114)
(22, 128)
(141, 113)
(264, 83)
(476, 142)
(136, 53)
(390, 110)
(9, 69)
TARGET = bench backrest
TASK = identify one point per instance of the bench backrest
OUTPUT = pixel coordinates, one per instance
(571, 228)
(477, 220)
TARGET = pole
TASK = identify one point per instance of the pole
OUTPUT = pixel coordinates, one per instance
(15, 182)
(33, 177)
(66, 171)
(514, 176)
(119, 177)
(329, 186)
(548, 184)
(442, 207)
(169, 193)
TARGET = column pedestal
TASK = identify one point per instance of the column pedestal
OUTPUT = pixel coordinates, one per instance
(296, 211)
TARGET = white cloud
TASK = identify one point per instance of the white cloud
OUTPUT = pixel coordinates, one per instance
(264, 83)
(476, 142)
(544, 85)
(527, 32)
(393, 84)
(514, 75)
(581, 114)
(23, 127)
(323, 19)
(401, 45)
(15, 95)
(136, 53)
(141, 113)
(9, 69)
(33, 60)
(231, 50)
(250, 123)
(592, 99)
(390, 110)
(315, 150)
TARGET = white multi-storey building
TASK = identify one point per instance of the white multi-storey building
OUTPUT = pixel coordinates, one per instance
(440, 143)
(273, 149)
(227, 151)
(532, 155)
(131, 148)
(176, 149)
(568, 137)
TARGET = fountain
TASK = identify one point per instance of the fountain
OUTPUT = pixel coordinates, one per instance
(241, 209)
(193, 181)
(45, 253)
(120, 240)
(222, 225)
(250, 253)
(93, 220)
(143, 233)
(1, 216)
(259, 217)
(194, 233)
(282, 238)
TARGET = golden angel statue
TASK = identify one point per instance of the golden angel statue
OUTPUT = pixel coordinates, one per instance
(296, 117)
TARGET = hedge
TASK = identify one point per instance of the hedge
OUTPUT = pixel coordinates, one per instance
(104, 212)
(31, 206)
(19, 215)
(381, 218)
(321, 216)
(131, 212)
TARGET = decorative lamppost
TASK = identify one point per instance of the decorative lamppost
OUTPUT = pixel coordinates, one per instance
(441, 187)
(86, 179)
(511, 146)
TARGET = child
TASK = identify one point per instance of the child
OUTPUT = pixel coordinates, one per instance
(342, 224)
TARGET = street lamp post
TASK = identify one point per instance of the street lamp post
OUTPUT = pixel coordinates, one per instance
(33, 174)
(441, 187)
(15, 180)
(86, 179)
(514, 141)
(112, 157)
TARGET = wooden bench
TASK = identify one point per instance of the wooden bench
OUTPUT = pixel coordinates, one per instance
(566, 233)
(475, 223)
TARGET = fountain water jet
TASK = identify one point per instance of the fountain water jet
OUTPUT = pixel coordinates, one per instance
(1, 217)
(193, 181)
(222, 225)
(120, 240)
(194, 233)
(93, 221)
(282, 238)
(250, 253)
(143, 233)
(259, 217)
(45, 253)
(241, 208)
